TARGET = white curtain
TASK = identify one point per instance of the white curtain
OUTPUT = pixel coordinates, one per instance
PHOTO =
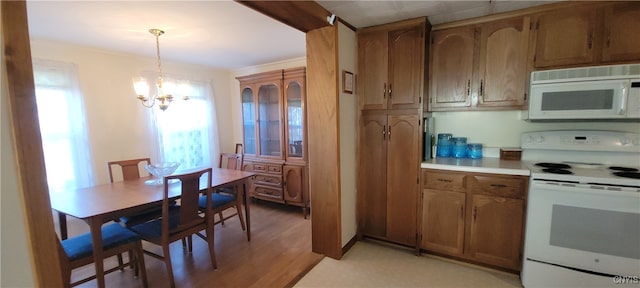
(65, 140)
(187, 131)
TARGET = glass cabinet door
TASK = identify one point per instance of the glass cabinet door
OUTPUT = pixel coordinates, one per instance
(269, 120)
(295, 120)
(248, 121)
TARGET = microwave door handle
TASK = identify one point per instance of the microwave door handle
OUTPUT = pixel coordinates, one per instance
(623, 101)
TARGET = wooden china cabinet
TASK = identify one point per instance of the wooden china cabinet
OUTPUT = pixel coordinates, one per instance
(275, 135)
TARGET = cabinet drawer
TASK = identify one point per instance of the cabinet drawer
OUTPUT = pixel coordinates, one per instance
(443, 180)
(268, 179)
(269, 193)
(258, 167)
(274, 169)
(501, 186)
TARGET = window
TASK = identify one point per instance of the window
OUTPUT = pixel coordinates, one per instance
(62, 125)
(186, 131)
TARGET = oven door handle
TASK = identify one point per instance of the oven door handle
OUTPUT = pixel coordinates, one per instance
(587, 188)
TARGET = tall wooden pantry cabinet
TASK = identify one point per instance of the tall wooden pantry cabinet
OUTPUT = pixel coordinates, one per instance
(275, 135)
(391, 63)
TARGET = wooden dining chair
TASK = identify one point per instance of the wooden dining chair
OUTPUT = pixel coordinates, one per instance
(78, 251)
(227, 197)
(130, 171)
(183, 221)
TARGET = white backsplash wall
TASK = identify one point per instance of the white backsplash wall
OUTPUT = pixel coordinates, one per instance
(503, 128)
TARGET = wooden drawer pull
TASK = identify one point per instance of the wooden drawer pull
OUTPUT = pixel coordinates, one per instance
(499, 185)
(444, 180)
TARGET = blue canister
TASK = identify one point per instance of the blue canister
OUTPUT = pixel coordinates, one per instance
(474, 151)
(443, 147)
(459, 147)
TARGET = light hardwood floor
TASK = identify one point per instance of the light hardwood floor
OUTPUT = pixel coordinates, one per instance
(278, 255)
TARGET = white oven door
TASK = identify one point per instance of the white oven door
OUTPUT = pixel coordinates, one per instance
(578, 227)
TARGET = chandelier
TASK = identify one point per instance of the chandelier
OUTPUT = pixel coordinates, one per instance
(165, 89)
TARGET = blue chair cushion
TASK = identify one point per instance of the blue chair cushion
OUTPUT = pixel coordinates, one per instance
(153, 229)
(113, 235)
(217, 200)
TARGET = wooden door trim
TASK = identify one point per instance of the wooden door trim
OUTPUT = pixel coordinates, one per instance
(302, 15)
(29, 157)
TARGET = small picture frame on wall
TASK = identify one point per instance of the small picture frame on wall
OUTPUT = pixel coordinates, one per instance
(347, 82)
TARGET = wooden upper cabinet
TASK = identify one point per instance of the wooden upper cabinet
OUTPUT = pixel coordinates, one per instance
(373, 69)
(452, 55)
(588, 34)
(391, 65)
(565, 37)
(503, 63)
(406, 67)
(621, 40)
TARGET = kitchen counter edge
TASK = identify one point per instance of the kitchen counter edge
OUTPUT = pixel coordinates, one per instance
(484, 165)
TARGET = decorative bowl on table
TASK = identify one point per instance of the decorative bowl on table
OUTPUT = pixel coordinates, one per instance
(159, 171)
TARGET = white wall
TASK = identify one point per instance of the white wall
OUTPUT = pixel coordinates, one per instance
(118, 124)
(348, 118)
(503, 128)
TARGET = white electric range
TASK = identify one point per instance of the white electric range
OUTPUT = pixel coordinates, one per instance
(583, 211)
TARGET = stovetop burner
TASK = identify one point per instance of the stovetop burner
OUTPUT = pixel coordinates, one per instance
(553, 166)
(557, 171)
(627, 174)
(623, 169)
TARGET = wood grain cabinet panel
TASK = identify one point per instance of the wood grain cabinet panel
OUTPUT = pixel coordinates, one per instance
(388, 182)
(597, 33)
(565, 37)
(503, 63)
(496, 230)
(372, 186)
(620, 40)
(293, 183)
(391, 66)
(443, 221)
(474, 216)
(452, 55)
(481, 66)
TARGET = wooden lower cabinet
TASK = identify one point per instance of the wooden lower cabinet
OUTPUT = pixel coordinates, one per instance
(443, 221)
(474, 216)
(279, 182)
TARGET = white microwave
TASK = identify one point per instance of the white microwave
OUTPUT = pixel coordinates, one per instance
(587, 93)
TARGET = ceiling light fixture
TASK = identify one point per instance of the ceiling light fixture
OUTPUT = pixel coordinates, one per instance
(165, 88)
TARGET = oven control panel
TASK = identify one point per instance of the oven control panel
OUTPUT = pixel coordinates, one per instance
(582, 140)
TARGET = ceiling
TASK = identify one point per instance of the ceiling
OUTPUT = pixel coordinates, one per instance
(221, 34)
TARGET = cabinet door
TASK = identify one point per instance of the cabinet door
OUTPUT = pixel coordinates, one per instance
(373, 69)
(249, 120)
(270, 129)
(403, 163)
(621, 41)
(406, 67)
(496, 230)
(452, 53)
(503, 63)
(293, 183)
(294, 97)
(565, 37)
(372, 191)
(443, 221)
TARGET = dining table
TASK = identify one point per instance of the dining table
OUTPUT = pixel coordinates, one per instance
(102, 203)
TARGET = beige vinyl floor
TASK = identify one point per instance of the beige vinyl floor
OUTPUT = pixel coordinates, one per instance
(373, 264)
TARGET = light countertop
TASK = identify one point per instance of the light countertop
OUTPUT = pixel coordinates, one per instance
(484, 165)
